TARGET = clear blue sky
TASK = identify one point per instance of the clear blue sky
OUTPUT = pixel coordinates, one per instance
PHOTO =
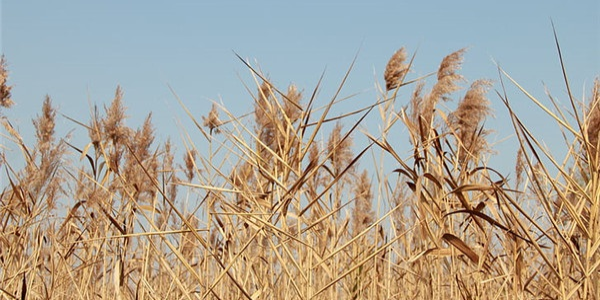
(80, 50)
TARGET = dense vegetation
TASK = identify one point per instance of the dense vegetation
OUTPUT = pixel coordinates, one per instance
(280, 204)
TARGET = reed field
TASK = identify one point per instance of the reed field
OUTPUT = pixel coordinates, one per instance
(284, 203)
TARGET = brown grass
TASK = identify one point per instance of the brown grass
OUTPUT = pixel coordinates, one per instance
(283, 204)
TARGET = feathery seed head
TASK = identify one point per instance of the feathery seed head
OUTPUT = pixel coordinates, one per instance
(291, 106)
(469, 115)
(339, 148)
(395, 70)
(447, 76)
(5, 100)
(45, 123)
(113, 124)
(190, 165)
(362, 214)
(212, 122)
(593, 116)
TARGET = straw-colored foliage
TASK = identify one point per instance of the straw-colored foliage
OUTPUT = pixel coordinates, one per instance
(283, 203)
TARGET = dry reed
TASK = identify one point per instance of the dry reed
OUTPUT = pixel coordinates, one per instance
(5, 100)
(396, 70)
(267, 210)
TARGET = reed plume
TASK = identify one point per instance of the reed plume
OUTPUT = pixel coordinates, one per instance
(141, 163)
(396, 70)
(291, 106)
(42, 172)
(5, 100)
(423, 107)
(467, 119)
(114, 123)
(189, 159)
(339, 149)
(593, 117)
(212, 122)
(114, 131)
(169, 173)
(362, 215)
(447, 76)
(276, 209)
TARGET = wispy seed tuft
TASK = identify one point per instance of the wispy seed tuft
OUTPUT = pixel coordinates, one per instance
(190, 164)
(212, 122)
(362, 215)
(395, 70)
(593, 115)
(447, 76)
(469, 116)
(5, 100)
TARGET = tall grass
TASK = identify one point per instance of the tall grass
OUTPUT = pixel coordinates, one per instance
(281, 203)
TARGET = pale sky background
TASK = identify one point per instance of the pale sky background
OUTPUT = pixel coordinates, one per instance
(77, 51)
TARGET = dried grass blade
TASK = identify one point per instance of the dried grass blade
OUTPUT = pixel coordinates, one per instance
(360, 263)
(461, 246)
(543, 107)
(491, 221)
